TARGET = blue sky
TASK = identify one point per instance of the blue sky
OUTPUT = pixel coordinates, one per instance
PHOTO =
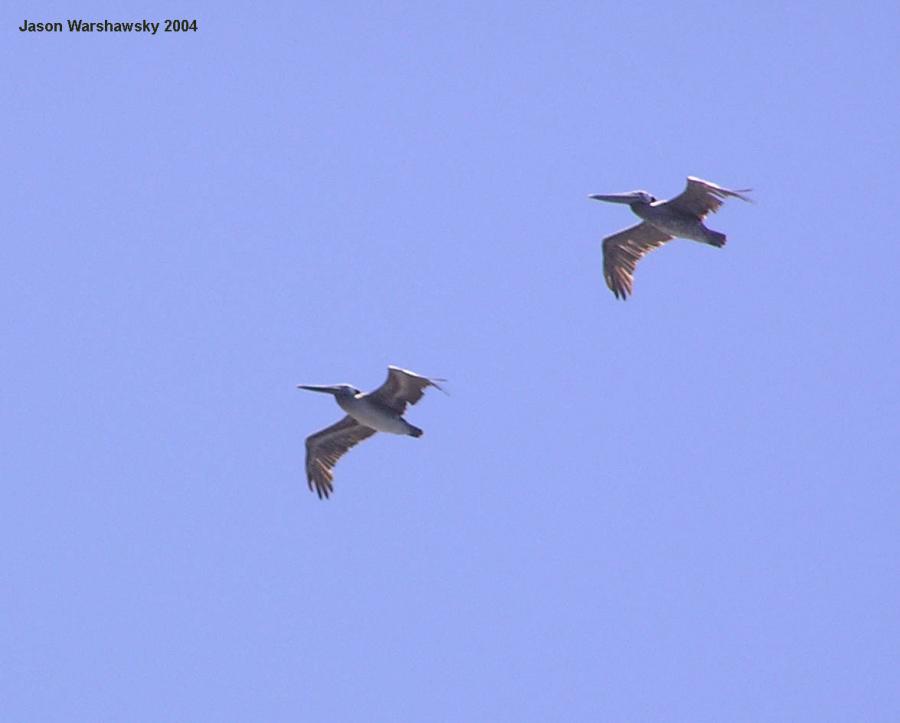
(683, 507)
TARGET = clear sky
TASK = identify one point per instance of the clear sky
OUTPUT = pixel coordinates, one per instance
(683, 507)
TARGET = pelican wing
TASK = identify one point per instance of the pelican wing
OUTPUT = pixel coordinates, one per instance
(401, 388)
(326, 447)
(700, 197)
(623, 250)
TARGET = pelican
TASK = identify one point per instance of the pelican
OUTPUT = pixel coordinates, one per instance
(681, 216)
(378, 411)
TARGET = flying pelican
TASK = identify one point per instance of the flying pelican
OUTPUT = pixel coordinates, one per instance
(681, 216)
(378, 411)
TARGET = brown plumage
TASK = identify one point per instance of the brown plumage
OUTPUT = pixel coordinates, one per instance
(402, 387)
(623, 250)
(326, 447)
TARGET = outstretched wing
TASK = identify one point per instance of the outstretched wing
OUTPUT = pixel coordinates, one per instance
(401, 388)
(700, 197)
(326, 447)
(623, 250)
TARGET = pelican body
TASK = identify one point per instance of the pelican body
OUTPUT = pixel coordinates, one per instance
(673, 220)
(679, 217)
(367, 409)
(378, 411)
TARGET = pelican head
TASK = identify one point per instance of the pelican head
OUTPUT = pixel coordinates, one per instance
(338, 390)
(629, 198)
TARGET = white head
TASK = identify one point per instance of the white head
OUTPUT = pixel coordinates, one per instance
(338, 390)
(629, 198)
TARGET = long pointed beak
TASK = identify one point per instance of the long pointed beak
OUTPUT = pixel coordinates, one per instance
(613, 197)
(316, 388)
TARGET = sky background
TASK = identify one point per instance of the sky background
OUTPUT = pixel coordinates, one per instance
(683, 507)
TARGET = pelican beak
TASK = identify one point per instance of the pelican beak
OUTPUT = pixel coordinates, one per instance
(614, 197)
(317, 388)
